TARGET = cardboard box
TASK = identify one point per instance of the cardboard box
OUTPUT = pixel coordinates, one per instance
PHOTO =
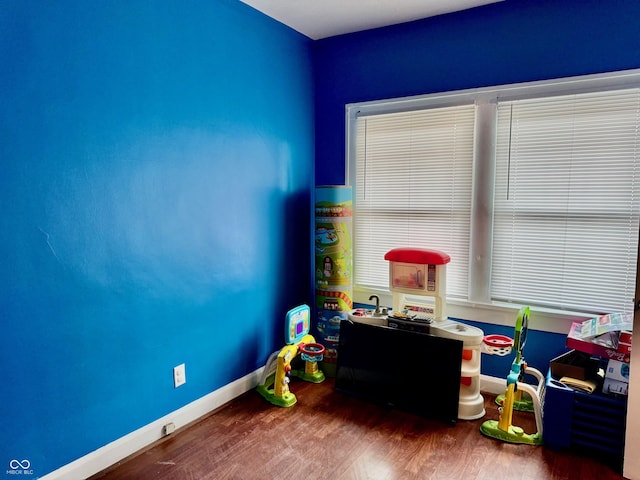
(615, 387)
(574, 364)
(624, 348)
(613, 322)
(624, 344)
(626, 337)
(617, 371)
(605, 345)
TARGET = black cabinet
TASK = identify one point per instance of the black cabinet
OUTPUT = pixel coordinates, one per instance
(409, 370)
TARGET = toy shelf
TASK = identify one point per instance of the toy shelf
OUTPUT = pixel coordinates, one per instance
(593, 423)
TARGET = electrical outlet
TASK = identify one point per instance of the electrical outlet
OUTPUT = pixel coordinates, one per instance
(179, 376)
(169, 428)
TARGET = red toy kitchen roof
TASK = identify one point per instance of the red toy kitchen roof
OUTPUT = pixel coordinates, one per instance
(422, 256)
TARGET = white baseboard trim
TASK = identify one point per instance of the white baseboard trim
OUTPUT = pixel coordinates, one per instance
(137, 440)
(493, 385)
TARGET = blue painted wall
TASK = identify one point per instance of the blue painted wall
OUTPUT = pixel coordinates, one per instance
(156, 179)
(507, 42)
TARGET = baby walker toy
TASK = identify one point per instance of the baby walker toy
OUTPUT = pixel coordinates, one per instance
(502, 429)
(274, 382)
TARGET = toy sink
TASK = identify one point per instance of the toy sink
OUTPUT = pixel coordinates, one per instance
(369, 316)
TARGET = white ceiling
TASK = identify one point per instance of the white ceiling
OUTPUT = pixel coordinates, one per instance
(325, 18)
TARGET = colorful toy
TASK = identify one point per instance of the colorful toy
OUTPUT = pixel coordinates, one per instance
(274, 382)
(502, 429)
(417, 281)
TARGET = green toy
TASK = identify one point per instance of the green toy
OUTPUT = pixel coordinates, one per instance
(502, 429)
(274, 382)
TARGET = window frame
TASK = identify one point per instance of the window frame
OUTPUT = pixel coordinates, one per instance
(476, 307)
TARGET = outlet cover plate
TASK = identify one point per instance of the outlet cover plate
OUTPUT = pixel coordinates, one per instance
(179, 376)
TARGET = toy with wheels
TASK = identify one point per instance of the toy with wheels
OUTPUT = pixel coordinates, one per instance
(276, 376)
(502, 429)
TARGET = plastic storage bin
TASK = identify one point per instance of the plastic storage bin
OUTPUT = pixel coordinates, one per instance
(591, 423)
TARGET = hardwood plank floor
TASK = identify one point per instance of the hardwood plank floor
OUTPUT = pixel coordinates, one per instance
(328, 435)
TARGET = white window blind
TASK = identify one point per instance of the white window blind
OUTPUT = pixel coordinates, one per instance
(567, 201)
(413, 189)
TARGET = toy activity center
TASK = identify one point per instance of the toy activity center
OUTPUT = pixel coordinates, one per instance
(421, 273)
(388, 354)
(274, 383)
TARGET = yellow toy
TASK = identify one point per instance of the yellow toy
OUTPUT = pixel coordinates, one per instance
(503, 429)
(277, 373)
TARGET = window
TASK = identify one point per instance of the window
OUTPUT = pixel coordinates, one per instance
(566, 201)
(401, 199)
(533, 190)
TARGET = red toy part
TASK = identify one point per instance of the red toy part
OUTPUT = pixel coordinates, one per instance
(422, 256)
(311, 352)
(311, 348)
(498, 341)
(500, 345)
